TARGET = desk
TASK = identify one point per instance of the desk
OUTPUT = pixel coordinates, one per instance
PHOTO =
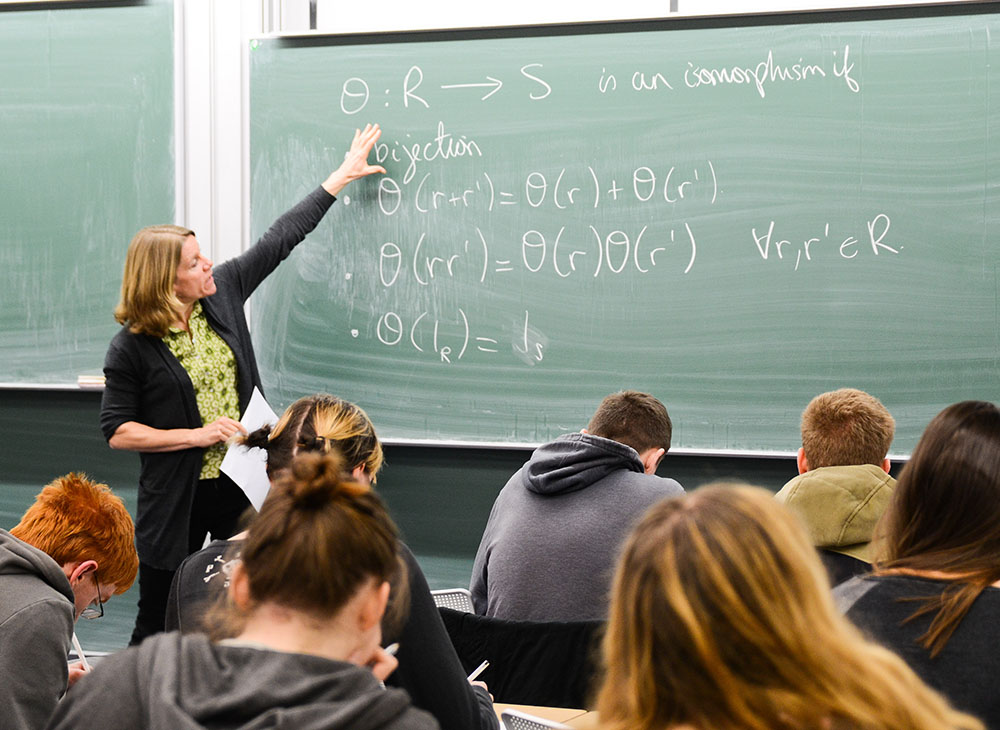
(568, 716)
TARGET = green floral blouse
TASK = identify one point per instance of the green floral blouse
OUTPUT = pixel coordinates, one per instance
(212, 368)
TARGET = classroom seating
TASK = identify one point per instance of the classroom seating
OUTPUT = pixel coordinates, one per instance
(457, 598)
(531, 663)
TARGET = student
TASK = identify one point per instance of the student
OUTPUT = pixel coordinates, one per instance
(843, 485)
(722, 619)
(72, 550)
(935, 595)
(181, 370)
(550, 543)
(306, 604)
(429, 669)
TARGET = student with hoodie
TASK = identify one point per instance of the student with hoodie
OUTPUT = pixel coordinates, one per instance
(304, 651)
(72, 550)
(843, 485)
(551, 540)
(429, 669)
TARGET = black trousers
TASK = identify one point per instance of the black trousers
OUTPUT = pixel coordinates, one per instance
(218, 508)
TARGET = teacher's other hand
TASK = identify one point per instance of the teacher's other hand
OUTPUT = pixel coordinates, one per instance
(355, 162)
(218, 431)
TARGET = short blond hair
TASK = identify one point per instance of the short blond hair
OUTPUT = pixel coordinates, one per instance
(148, 304)
(846, 427)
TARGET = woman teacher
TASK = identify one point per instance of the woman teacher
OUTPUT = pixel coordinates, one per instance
(181, 371)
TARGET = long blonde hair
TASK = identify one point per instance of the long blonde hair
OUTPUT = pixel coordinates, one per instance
(721, 617)
(148, 304)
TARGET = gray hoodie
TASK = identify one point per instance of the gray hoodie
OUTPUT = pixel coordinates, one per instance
(550, 545)
(185, 682)
(36, 629)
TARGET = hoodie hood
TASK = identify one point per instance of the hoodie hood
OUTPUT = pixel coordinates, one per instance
(193, 684)
(840, 505)
(19, 558)
(575, 461)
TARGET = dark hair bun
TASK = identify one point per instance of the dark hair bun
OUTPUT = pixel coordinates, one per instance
(257, 439)
(318, 479)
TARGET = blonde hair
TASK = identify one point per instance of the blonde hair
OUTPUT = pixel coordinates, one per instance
(148, 304)
(846, 427)
(320, 422)
(721, 617)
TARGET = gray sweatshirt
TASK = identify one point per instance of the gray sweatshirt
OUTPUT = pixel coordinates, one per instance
(552, 539)
(185, 682)
(36, 629)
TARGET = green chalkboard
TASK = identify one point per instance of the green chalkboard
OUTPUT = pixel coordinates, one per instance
(86, 159)
(734, 215)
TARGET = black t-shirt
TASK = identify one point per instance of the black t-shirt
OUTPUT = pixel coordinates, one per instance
(967, 671)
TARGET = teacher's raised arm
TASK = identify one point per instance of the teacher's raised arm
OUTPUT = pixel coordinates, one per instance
(182, 369)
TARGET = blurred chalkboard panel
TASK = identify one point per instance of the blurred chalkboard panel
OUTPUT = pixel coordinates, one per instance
(86, 159)
(733, 214)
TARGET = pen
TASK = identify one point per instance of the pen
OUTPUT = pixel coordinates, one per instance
(392, 649)
(478, 670)
(79, 653)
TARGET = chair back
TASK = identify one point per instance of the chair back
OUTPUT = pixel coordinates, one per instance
(531, 663)
(457, 598)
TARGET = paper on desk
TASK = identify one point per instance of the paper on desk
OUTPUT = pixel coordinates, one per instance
(248, 467)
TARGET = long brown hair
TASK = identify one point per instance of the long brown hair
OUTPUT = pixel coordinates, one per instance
(945, 513)
(721, 617)
(148, 304)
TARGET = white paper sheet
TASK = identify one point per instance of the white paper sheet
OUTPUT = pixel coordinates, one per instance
(248, 467)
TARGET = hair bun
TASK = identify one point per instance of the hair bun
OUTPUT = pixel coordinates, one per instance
(316, 479)
(257, 439)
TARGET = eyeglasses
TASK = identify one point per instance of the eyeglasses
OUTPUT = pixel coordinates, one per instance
(92, 611)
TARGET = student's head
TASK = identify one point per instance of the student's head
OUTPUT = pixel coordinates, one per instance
(86, 529)
(721, 617)
(321, 423)
(945, 512)
(845, 427)
(319, 539)
(149, 304)
(635, 419)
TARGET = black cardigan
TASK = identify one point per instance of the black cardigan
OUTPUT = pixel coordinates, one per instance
(145, 383)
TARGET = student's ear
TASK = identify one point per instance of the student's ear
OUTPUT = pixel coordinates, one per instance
(583, 430)
(239, 586)
(76, 570)
(374, 606)
(886, 465)
(651, 459)
(801, 461)
(360, 474)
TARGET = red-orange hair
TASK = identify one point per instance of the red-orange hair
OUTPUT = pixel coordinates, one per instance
(75, 519)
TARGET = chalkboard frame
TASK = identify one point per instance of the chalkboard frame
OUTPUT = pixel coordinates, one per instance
(305, 40)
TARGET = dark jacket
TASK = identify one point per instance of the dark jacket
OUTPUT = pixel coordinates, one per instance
(966, 671)
(178, 682)
(552, 538)
(429, 670)
(36, 628)
(145, 383)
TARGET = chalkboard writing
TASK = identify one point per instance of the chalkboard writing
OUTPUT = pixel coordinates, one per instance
(732, 218)
(86, 154)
